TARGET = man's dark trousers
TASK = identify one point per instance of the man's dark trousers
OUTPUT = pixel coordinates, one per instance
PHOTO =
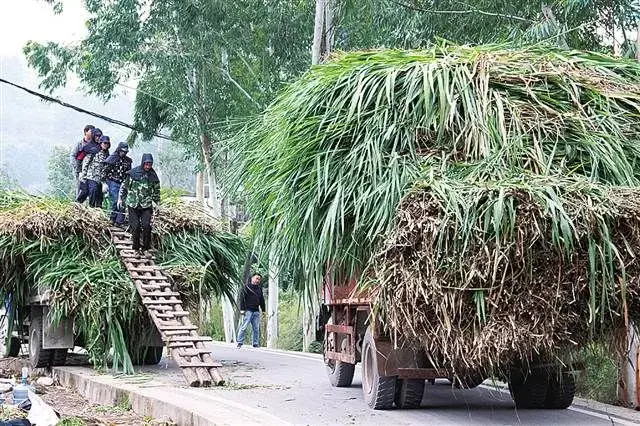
(140, 220)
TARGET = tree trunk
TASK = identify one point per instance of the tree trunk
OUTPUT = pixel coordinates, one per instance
(318, 32)
(638, 44)
(200, 187)
(309, 316)
(274, 296)
(228, 320)
(207, 152)
(628, 384)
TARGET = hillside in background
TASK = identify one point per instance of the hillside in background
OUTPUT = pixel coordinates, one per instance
(30, 127)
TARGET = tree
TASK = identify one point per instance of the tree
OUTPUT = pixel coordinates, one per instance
(199, 64)
(578, 24)
(176, 167)
(6, 181)
(60, 173)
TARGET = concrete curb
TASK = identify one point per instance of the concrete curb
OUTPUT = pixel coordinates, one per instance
(184, 406)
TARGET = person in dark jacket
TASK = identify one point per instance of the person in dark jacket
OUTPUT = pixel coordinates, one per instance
(140, 191)
(251, 302)
(93, 171)
(115, 171)
(77, 155)
(88, 153)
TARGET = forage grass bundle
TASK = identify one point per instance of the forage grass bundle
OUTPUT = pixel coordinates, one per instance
(520, 270)
(332, 164)
(329, 161)
(65, 248)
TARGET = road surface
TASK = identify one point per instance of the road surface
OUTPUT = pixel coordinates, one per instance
(293, 388)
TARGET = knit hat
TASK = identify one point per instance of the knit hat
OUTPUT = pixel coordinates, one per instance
(105, 138)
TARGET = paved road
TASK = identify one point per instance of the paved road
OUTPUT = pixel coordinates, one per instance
(294, 388)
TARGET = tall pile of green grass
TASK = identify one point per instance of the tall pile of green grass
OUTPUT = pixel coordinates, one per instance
(335, 163)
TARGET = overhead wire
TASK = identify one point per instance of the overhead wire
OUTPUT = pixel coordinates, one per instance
(80, 109)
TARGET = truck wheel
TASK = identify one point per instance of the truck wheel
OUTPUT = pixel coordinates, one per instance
(153, 355)
(560, 392)
(340, 373)
(470, 381)
(530, 391)
(9, 345)
(379, 392)
(38, 356)
(59, 357)
(150, 355)
(409, 393)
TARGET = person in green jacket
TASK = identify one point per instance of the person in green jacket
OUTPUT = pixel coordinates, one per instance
(140, 192)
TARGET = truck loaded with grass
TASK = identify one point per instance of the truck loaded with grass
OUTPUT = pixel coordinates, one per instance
(469, 212)
(64, 283)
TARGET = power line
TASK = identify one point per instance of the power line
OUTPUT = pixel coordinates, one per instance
(82, 110)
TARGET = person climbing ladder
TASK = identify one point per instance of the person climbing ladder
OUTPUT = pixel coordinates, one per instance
(140, 192)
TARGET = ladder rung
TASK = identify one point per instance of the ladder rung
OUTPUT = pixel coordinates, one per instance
(161, 302)
(174, 333)
(185, 364)
(161, 308)
(160, 294)
(195, 352)
(175, 345)
(149, 287)
(178, 327)
(153, 268)
(136, 260)
(148, 278)
(192, 339)
(172, 314)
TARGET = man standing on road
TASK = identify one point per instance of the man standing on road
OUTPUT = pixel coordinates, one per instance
(251, 302)
(140, 191)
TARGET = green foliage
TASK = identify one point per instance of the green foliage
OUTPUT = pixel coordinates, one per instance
(71, 421)
(416, 23)
(176, 168)
(6, 181)
(199, 64)
(330, 160)
(60, 173)
(289, 322)
(599, 380)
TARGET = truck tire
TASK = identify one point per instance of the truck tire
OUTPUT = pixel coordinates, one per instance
(561, 391)
(38, 356)
(150, 355)
(59, 357)
(530, 392)
(15, 344)
(469, 381)
(9, 345)
(409, 393)
(340, 373)
(153, 355)
(379, 392)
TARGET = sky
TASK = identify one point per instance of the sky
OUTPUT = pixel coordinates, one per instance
(24, 20)
(22, 114)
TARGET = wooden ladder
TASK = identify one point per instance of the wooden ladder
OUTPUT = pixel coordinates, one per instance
(165, 308)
